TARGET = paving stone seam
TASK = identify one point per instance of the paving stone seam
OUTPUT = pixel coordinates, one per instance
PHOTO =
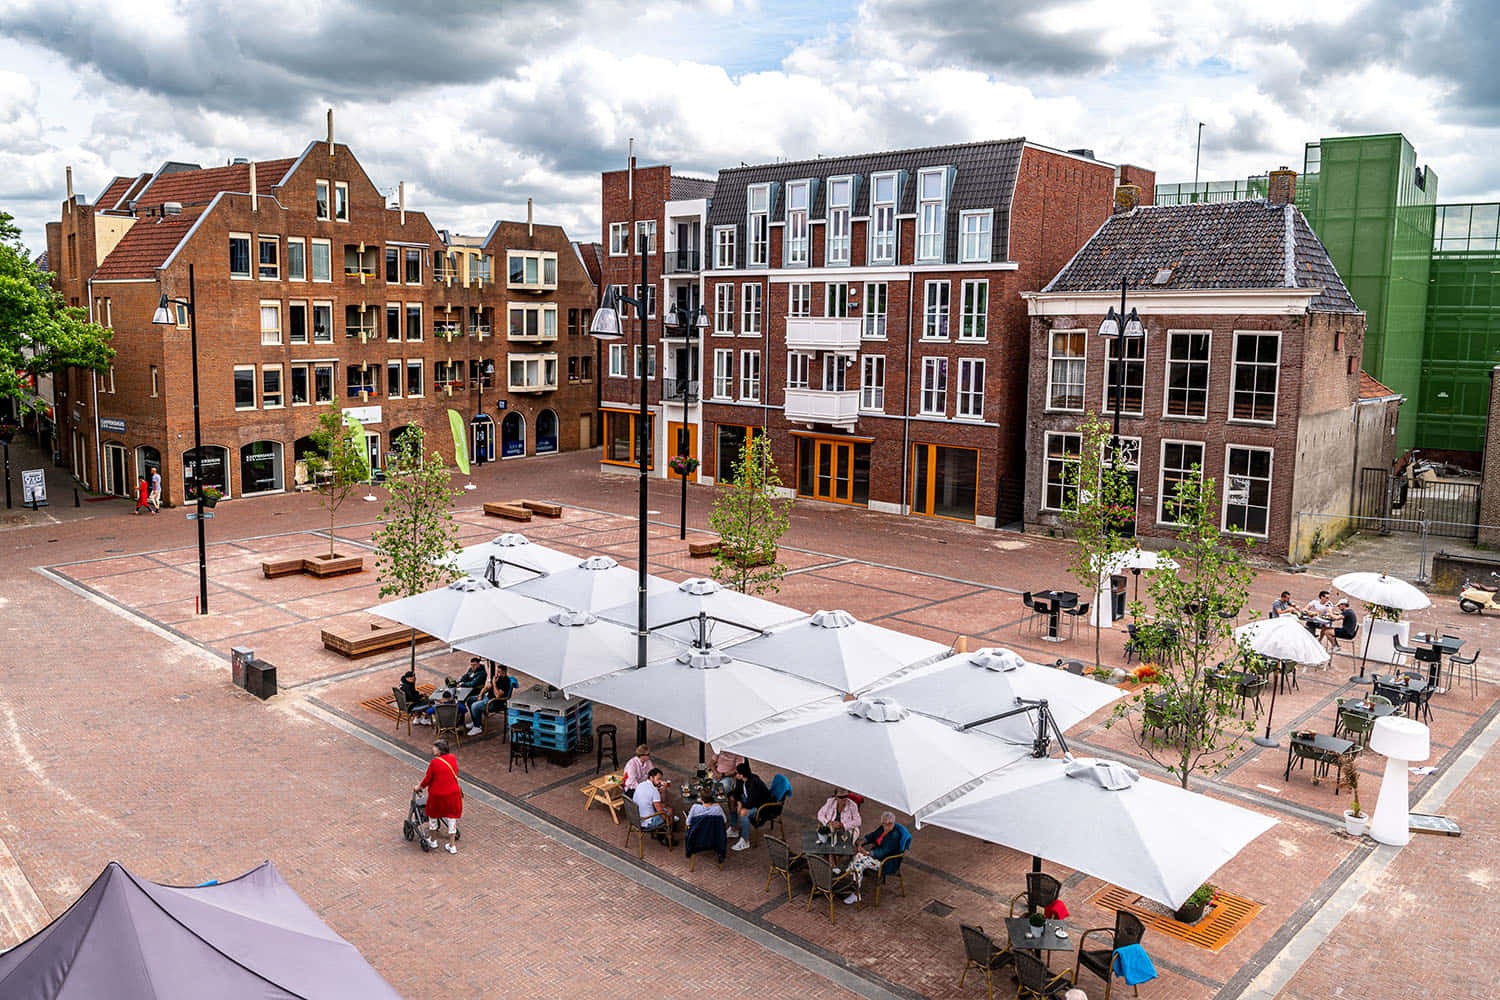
(831, 966)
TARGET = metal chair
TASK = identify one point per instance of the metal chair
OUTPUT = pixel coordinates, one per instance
(1433, 658)
(1042, 890)
(1354, 727)
(890, 868)
(1037, 982)
(1076, 612)
(521, 746)
(448, 720)
(403, 711)
(770, 813)
(1031, 614)
(980, 953)
(783, 863)
(1471, 661)
(1128, 929)
(825, 883)
(1404, 650)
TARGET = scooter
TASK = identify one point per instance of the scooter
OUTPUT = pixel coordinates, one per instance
(1475, 597)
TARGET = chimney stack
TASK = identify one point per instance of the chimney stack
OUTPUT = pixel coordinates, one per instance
(1127, 198)
(254, 200)
(401, 200)
(530, 225)
(1282, 189)
(70, 183)
(330, 133)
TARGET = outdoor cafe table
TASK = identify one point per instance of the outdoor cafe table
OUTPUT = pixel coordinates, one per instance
(1326, 750)
(1368, 711)
(1443, 645)
(1411, 689)
(843, 848)
(1055, 599)
(1017, 929)
(607, 790)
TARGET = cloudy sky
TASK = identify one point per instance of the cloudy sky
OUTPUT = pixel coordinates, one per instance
(478, 105)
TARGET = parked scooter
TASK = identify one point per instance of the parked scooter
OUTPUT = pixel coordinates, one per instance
(1475, 597)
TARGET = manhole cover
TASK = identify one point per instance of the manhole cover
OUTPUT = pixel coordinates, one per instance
(938, 908)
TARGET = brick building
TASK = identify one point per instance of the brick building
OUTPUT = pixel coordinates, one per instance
(865, 311)
(1249, 369)
(310, 290)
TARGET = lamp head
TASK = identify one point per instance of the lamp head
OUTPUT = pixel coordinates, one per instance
(606, 324)
(1111, 325)
(1133, 325)
(163, 316)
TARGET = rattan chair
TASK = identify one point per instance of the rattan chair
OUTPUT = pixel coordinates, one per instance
(448, 720)
(768, 815)
(825, 883)
(1041, 892)
(633, 824)
(980, 953)
(1128, 929)
(783, 863)
(890, 868)
(403, 710)
(1036, 981)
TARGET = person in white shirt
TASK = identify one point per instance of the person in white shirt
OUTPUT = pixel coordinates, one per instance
(655, 815)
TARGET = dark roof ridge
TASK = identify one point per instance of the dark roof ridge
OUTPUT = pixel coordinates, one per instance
(871, 153)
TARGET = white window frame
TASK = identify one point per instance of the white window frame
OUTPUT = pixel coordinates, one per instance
(723, 387)
(326, 337)
(758, 225)
(312, 260)
(836, 300)
(322, 200)
(874, 316)
(617, 361)
(936, 304)
(650, 362)
(1234, 376)
(1161, 475)
(838, 235)
(395, 377)
(933, 400)
(254, 385)
(751, 313)
(724, 247)
(976, 237)
(340, 201)
(884, 229)
(750, 376)
(275, 265)
(799, 299)
(1208, 374)
(250, 259)
(1112, 346)
(835, 374)
(333, 383)
(871, 387)
(798, 248)
(296, 273)
(724, 310)
(538, 260)
(970, 400)
(266, 394)
(1270, 481)
(414, 365)
(645, 236)
(546, 321)
(270, 337)
(306, 370)
(974, 310)
(407, 254)
(619, 239)
(932, 217)
(409, 326)
(798, 364)
(1054, 359)
(1063, 463)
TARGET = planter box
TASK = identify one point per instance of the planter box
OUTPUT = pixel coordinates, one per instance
(700, 550)
(321, 566)
(354, 642)
(1377, 639)
(272, 568)
(543, 507)
(511, 511)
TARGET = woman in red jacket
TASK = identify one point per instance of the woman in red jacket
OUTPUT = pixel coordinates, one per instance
(445, 799)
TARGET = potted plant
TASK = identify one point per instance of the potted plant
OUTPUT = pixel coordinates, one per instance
(211, 495)
(7, 430)
(822, 833)
(1356, 820)
(1038, 924)
(1191, 911)
(683, 465)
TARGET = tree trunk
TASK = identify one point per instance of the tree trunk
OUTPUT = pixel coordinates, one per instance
(332, 513)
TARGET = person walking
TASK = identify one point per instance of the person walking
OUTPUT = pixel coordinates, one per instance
(445, 797)
(155, 496)
(142, 496)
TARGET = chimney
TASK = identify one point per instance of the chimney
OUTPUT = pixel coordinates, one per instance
(530, 225)
(1127, 198)
(1282, 189)
(70, 183)
(330, 133)
(400, 198)
(630, 171)
(254, 200)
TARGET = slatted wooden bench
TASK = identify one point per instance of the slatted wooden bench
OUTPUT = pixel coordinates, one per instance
(700, 550)
(355, 643)
(272, 568)
(543, 507)
(510, 511)
(333, 567)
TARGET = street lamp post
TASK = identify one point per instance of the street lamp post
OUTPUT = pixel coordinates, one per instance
(1119, 327)
(689, 324)
(163, 317)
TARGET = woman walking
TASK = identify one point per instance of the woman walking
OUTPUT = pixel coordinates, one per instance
(445, 799)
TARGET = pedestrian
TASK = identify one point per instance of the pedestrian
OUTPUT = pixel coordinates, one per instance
(142, 496)
(445, 797)
(155, 496)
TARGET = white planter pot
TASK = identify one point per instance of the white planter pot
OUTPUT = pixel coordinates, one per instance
(1356, 825)
(1377, 639)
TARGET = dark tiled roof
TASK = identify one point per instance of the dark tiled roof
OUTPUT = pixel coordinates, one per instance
(112, 192)
(136, 186)
(592, 256)
(198, 187)
(41, 262)
(691, 187)
(1371, 388)
(985, 178)
(1229, 245)
(144, 248)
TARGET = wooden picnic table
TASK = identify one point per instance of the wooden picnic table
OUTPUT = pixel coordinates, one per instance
(607, 790)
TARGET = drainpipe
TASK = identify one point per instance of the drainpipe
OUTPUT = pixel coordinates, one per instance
(98, 445)
(911, 290)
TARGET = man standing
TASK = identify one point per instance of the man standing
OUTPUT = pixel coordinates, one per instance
(155, 496)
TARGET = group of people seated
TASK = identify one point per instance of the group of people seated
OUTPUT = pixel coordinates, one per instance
(485, 687)
(743, 791)
(1326, 619)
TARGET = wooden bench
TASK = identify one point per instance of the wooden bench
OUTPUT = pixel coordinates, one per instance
(324, 567)
(543, 507)
(272, 568)
(700, 550)
(511, 511)
(355, 643)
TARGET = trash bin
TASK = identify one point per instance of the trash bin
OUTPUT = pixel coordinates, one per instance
(1117, 595)
(260, 679)
(239, 659)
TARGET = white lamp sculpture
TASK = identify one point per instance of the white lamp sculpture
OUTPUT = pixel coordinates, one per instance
(1402, 741)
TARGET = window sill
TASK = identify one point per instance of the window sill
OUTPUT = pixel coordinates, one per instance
(1061, 409)
(985, 260)
(1185, 420)
(934, 340)
(241, 277)
(1250, 423)
(981, 341)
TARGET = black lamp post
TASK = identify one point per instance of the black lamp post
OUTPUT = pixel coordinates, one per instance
(1119, 327)
(163, 317)
(689, 324)
(486, 370)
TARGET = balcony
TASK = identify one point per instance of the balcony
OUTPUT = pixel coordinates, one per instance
(533, 373)
(680, 262)
(837, 334)
(817, 406)
(681, 390)
(363, 331)
(447, 330)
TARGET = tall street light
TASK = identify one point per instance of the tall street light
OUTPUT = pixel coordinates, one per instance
(1119, 327)
(690, 324)
(163, 317)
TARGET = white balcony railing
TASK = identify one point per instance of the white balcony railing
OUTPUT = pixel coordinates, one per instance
(818, 406)
(822, 334)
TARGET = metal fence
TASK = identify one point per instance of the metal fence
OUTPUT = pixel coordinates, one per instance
(1397, 503)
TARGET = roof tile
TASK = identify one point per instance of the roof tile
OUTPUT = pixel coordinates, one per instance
(198, 187)
(144, 248)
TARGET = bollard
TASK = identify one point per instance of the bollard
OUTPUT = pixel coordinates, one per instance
(76, 501)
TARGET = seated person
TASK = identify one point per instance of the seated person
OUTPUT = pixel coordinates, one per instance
(637, 768)
(470, 688)
(879, 844)
(414, 698)
(840, 814)
(655, 814)
(705, 806)
(1348, 626)
(722, 768)
(494, 696)
(1322, 609)
(447, 699)
(750, 793)
(1282, 604)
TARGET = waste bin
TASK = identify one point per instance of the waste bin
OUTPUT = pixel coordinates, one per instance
(239, 659)
(260, 679)
(1117, 595)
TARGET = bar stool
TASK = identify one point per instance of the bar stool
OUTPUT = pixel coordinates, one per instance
(1456, 666)
(606, 731)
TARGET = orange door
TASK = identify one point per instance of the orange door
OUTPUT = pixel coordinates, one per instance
(682, 439)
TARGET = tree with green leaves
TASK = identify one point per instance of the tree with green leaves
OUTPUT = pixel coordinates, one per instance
(1099, 508)
(417, 530)
(1188, 720)
(339, 466)
(39, 333)
(750, 516)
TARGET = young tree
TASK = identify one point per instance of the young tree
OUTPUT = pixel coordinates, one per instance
(339, 466)
(39, 333)
(750, 517)
(1188, 721)
(1100, 507)
(416, 528)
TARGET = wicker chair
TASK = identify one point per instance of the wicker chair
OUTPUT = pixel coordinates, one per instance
(403, 710)
(768, 815)
(633, 824)
(783, 863)
(980, 953)
(1037, 982)
(1128, 929)
(448, 720)
(1041, 892)
(825, 883)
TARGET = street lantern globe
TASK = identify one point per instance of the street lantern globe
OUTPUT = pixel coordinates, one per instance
(606, 324)
(163, 316)
(702, 318)
(1112, 325)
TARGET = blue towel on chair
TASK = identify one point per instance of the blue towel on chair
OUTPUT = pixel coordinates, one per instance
(780, 788)
(1134, 965)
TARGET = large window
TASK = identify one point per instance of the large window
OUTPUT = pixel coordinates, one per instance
(620, 438)
(239, 255)
(413, 266)
(971, 388)
(393, 378)
(268, 249)
(974, 236)
(835, 371)
(270, 323)
(363, 381)
(300, 387)
(270, 387)
(1127, 377)
(619, 239)
(974, 324)
(645, 237)
(935, 310)
(616, 360)
(872, 382)
(322, 322)
(260, 467)
(931, 196)
(724, 310)
(840, 200)
(723, 373)
(1178, 460)
(935, 386)
(296, 258)
(796, 369)
(1187, 374)
(1060, 472)
(532, 271)
(393, 321)
(414, 377)
(836, 299)
(883, 219)
(414, 321)
(533, 372)
(1065, 361)
(341, 201)
(876, 303)
(323, 388)
(650, 362)
(323, 199)
(393, 265)
(244, 387)
(750, 311)
(322, 260)
(798, 194)
(750, 375)
(799, 299)
(724, 247)
(533, 322)
(729, 442)
(1247, 490)
(757, 222)
(1257, 358)
(944, 481)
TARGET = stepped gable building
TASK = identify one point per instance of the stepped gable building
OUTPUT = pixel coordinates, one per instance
(863, 311)
(1249, 369)
(310, 291)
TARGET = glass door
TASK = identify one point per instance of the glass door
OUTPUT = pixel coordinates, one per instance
(834, 466)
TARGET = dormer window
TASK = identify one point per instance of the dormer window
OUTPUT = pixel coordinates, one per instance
(757, 225)
(798, 194)
(932, 197)
(840, 200)
(974, 242)
(883, 219)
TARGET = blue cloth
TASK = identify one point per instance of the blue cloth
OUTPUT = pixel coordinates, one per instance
(706, 833)
(653, 822)
(1134, 965)
(780, 788)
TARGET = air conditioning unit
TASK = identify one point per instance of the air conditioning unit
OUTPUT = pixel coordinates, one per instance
(171, 208)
